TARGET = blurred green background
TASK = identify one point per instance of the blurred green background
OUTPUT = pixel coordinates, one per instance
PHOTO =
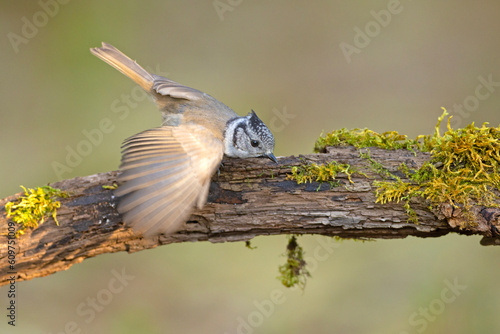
(271, 57)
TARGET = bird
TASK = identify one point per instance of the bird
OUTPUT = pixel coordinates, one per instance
(165, 172)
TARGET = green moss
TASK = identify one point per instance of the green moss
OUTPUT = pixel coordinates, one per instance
(294, 272)
(463, 170)
(34, 207)
(361, 138)
(320, 173)
(111, 187)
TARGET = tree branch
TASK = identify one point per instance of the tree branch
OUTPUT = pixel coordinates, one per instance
(249, 198)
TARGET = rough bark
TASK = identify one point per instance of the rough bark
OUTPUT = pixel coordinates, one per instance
(249, 198)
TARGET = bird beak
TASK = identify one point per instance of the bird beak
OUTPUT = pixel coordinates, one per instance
(271, 157)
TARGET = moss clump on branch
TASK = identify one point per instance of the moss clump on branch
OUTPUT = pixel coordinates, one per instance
(362, 138)
(463, 169)
(294, 272)
(34, 207)
(320, 173)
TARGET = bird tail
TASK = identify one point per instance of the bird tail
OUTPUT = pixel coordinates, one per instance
(124, 64)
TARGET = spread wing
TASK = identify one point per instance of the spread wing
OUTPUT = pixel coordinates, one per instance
(166, 173)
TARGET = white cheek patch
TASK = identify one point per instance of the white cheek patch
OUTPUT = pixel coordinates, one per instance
(237, 141)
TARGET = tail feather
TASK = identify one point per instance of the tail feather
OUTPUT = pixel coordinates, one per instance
(124, 64)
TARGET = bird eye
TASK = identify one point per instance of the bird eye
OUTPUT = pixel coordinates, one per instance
(254, 143)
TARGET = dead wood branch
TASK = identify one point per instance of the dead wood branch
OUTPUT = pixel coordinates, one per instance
(249, 198)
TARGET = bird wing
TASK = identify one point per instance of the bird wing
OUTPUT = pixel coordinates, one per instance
(172, 97)
(167, 87)
(166, 173)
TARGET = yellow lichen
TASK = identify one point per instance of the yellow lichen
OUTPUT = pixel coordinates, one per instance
(34, 207)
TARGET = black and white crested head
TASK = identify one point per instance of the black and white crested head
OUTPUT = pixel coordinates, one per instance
(248, 137)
